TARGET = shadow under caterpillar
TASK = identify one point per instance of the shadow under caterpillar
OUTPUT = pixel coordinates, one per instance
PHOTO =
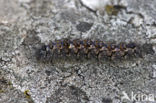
(79, 49)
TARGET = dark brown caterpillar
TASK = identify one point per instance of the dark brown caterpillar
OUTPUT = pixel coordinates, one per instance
(92, 49)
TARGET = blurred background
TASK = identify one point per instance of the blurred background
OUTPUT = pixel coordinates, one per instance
(25, 25)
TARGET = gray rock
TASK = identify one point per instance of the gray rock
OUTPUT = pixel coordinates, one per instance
(25, 25)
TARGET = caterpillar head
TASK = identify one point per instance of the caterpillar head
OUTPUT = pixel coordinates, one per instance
(43, 53)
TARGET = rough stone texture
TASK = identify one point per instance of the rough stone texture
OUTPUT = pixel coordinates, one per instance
(26, 24)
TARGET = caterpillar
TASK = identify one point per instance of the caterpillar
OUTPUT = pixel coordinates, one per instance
(87, 48)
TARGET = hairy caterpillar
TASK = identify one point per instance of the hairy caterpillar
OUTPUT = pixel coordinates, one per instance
(91, 49)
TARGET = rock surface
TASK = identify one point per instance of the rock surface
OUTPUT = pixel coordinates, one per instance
(26, 24)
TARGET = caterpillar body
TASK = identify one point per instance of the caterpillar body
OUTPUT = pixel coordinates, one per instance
(88, 49)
